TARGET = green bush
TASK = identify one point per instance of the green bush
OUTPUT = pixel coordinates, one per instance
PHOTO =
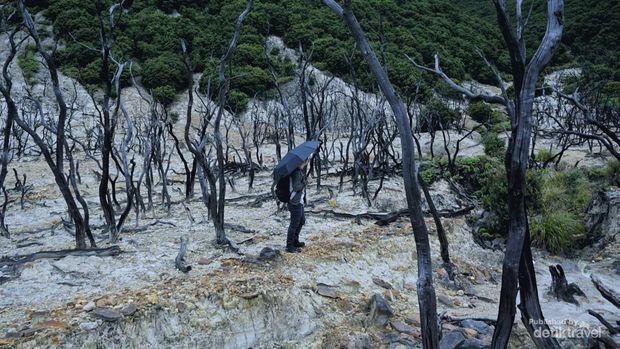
(556, 231)
(613, 172)
(237, 101)
(250, 80)
(174, 117)
(480, 112)
(430, 172)
(436, 115)
(556, 201)
(28, 64)
(543, 156)
(164, 94)
(493, 145)
(166, 70)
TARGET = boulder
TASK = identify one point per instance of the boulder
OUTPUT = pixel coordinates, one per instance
(472, 343)
(380, 311)
(451, 340)
(479, 326)
(357, 340)
(268, 253)
(603, 216)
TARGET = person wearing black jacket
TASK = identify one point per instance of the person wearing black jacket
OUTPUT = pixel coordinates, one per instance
(296, 208)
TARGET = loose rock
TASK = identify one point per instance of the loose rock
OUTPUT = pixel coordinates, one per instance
(129, 310)
(107, 314)
(403, 327)
(382, 283)
(380, 311)
(358, 341)
(89, 326)
(472, 343)
(326, 291)
(89, 306)
(451, 340)
(445, 300)
(479, 326)
(268, 253)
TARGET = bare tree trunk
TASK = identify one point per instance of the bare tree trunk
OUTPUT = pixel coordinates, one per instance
(56, 165)
(426, 291)
(5, 89)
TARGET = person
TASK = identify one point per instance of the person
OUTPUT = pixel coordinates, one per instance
(296, 208)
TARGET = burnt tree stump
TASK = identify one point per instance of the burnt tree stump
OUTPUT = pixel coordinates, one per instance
(560, 287)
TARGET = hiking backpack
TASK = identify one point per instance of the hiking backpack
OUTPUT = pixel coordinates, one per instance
(283, 189)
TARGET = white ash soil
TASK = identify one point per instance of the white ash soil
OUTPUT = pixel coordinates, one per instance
(231, 304)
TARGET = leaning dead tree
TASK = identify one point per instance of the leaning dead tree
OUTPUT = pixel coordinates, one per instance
(54, 154)
(215, 194)
(518, 268)
(426, 291)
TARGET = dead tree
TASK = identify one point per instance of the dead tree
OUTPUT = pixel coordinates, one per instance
(109, 117)
(599, 121)
(215, 177)
(426, 291)
(56, 164)
(518, 268)
(285, 110)
(556, 123)
(6, 84)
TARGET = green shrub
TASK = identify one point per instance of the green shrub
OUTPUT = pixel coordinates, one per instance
(174, 117)
(480, 112)
(166, 70)
(28, 64)
(493, 145)
(543, 156)
(429, 171)
(250, 80)
(556, 231)
(436, 115)
(164, 94)
(237, 101)
(613, 172)
(556, 201)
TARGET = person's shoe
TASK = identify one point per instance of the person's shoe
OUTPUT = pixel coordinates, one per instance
(300, 244)
(293, 249)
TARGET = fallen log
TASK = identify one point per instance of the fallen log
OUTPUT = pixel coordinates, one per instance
(383, 219)
(99, 252)
(239, 228)
(606, 292)
(179, 261)
(12, 265)
(612, 329)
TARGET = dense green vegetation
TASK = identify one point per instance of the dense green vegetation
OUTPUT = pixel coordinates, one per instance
(149, 33)
(591, 39)
(557, 201)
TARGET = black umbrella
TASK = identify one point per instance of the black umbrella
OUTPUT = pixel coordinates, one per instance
(294, 158)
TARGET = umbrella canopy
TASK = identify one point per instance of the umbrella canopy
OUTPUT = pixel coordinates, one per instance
(294, 158)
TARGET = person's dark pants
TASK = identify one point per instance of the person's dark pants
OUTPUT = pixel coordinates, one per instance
(298, 219)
